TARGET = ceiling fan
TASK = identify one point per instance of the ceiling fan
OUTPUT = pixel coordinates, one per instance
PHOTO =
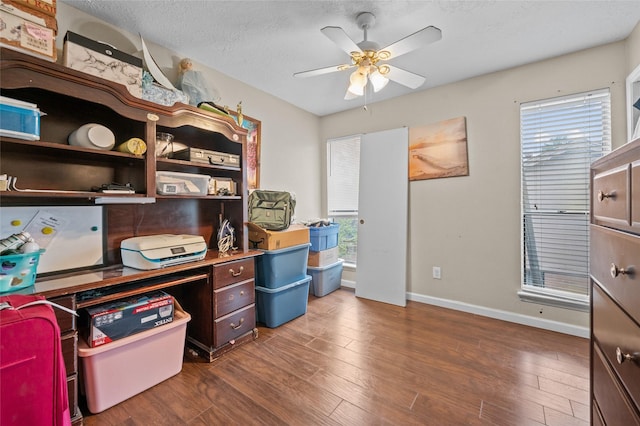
(367, 57)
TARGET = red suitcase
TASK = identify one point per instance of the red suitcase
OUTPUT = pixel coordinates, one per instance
(33, 384)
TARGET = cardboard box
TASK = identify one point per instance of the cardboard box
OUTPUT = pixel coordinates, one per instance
(115, 372)
(323, 257)
(15, 7)
(273, 240)
(48, 7)
(123, 318)
(22, 35)
(102, 60)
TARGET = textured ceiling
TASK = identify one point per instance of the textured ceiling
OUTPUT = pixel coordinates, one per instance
(262, 43)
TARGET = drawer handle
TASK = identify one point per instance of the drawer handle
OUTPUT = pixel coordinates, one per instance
(615, 271)
(602, 195)
(235, 327)
(622, 357)
(236, 274)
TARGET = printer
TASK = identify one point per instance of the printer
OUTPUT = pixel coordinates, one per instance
(160, 251)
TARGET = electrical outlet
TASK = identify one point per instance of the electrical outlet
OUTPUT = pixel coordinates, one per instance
(436, 272)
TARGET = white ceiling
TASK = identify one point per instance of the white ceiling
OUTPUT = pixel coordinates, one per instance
(262, 42)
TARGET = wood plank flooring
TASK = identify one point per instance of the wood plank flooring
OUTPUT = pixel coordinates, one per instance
(351, 361)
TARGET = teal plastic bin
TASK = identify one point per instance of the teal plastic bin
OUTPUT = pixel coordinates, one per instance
(276, 306)
(277, 268)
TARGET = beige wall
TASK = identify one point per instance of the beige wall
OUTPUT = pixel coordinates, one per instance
(291, 144)
(633, 49)
(470, 226)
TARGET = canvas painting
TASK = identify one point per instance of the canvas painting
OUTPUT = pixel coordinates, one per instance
(438, 150)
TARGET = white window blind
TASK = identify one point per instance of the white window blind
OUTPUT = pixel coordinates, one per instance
(343, 160)
(560, 138)
(343, 170)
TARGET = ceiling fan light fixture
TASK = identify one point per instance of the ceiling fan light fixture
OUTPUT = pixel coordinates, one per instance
(358, 81)
(378, 81)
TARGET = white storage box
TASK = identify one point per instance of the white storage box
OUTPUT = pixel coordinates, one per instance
(115, 372)
(103, 60)
(323, 257)
(175, 183)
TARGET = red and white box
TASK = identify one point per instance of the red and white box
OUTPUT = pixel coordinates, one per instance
(122, 318)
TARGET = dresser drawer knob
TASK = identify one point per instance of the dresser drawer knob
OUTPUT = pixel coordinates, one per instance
(622, 357)
(602, 195)
(235, 327)
(615, 271)
(236, 274)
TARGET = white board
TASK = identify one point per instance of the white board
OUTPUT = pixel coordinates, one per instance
(72, 236)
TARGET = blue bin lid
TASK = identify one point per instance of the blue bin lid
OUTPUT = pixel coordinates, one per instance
(286, 249)
(286, 287)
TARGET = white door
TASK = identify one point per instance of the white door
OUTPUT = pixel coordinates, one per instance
(381, 271)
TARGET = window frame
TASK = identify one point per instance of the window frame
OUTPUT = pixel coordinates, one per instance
(536, 292)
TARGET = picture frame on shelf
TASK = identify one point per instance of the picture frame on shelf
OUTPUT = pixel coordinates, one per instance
(253, 127)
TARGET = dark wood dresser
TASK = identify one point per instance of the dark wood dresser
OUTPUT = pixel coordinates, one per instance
(615, 287)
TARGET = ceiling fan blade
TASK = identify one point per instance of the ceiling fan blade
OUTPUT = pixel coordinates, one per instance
(414, 41)
(325, 70)
(339, 37)
(404, 77)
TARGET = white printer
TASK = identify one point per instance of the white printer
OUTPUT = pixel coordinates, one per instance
(160, 251)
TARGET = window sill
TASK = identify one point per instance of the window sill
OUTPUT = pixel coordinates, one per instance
(554, 298)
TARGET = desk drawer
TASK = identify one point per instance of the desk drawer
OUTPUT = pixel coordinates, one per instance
(66, 321)
(72, 394)
(610, 196)
(232, 272)
(614, 406)
(615, 331)
(233, 297)
(69, 346)
(612, 251)
(234, 325)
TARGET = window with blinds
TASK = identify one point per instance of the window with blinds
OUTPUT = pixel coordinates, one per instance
(560, 138)
(343, 170)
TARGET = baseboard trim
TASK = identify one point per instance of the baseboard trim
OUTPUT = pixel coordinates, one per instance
(348, 284)
(545, 324)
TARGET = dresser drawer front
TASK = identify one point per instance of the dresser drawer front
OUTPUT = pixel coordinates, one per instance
(233, 272)
(610, 196)
(614, 406)
(615, 331)
(234, 325)
(611, 252)
(233, 297)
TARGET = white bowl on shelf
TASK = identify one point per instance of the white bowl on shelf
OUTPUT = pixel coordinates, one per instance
(93, 135)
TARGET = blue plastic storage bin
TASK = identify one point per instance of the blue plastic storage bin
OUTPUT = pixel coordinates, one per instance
(277, 306)
(325, 279)
(324, 237)
(17, 121)
(277, 268)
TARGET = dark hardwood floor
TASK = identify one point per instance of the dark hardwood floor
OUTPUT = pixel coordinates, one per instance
(351, 361)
